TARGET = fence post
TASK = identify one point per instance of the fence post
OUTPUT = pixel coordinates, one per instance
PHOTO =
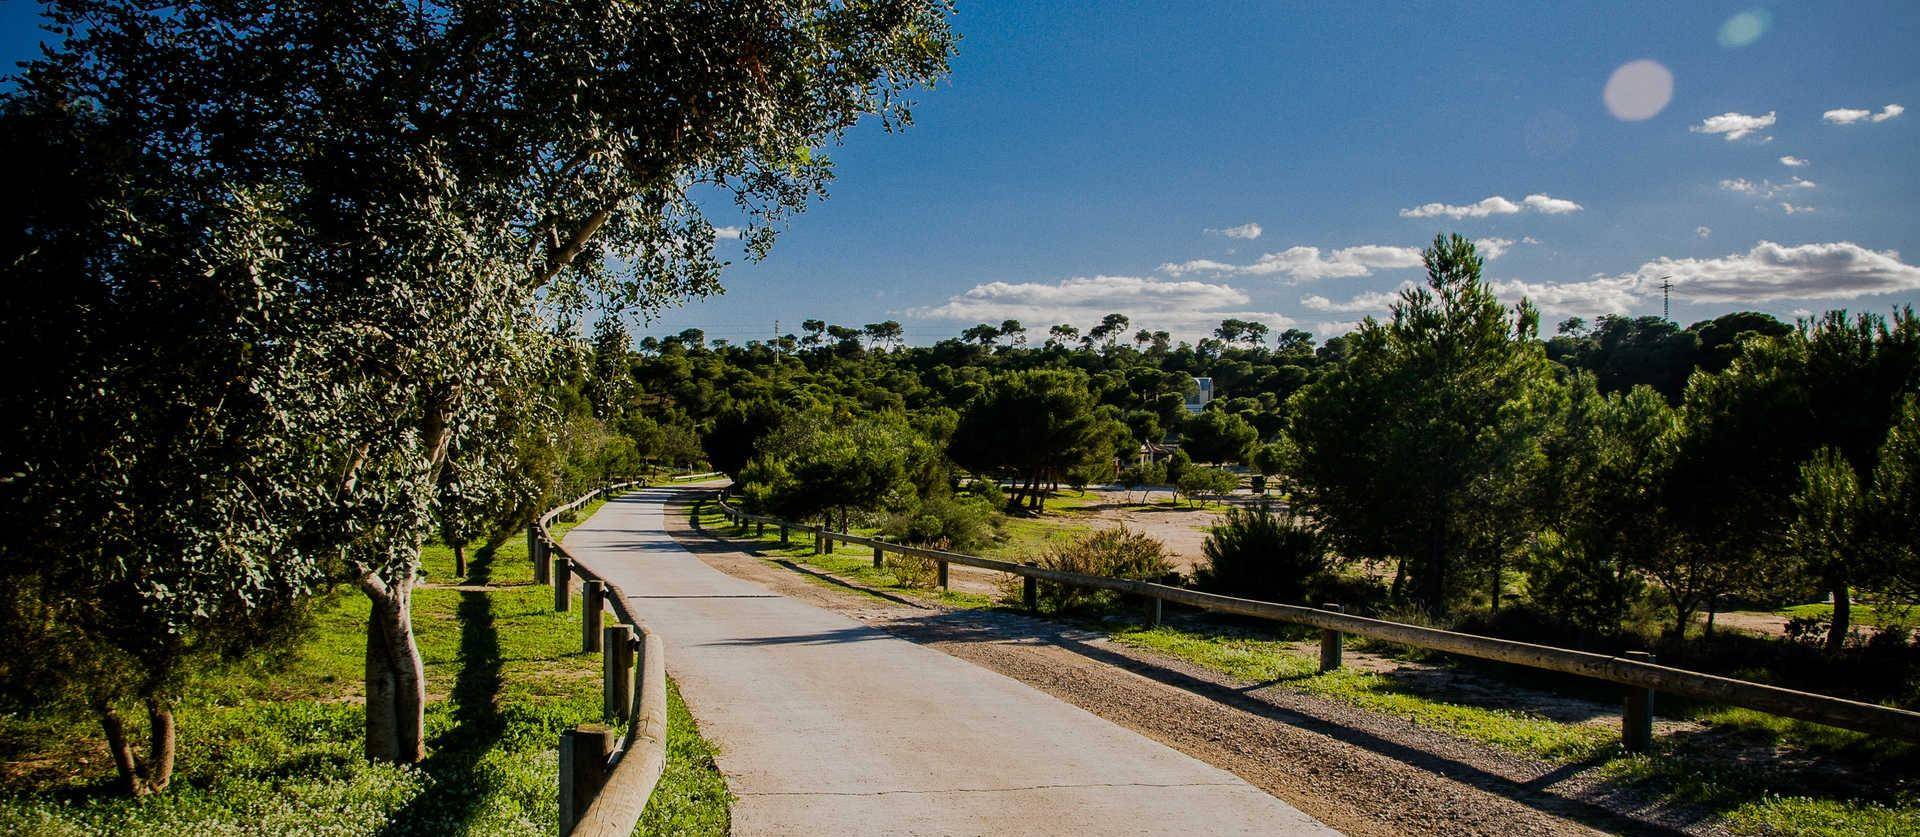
(784, 540)
(584, 751)
(697, 505)
(1330, 642)
(592, 591)
(533, 541)
(942, 564)
(562, 583)
(1636, 730)
(819, 541)
(636, 685)
(759, 528)
(540, 559)
(879, 556)
(1155, 606)
(1030, 591)
(616, 672)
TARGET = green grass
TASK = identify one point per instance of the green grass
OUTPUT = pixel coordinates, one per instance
(274, 746)
(851, 562)
(1865, 615)
(1022, 538)
(1750, 798)
(1271, 661)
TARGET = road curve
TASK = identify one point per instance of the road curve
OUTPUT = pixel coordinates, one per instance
(827, 726)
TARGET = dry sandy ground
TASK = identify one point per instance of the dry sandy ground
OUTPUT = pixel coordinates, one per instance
(1360, 772)
(1182, 529)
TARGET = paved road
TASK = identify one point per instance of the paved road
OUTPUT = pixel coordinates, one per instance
(827, 726)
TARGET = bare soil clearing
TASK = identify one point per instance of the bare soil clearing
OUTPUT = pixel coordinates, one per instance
(1182, 529)
(1360, 772)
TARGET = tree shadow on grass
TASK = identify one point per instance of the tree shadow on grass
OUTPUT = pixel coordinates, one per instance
(458, 786)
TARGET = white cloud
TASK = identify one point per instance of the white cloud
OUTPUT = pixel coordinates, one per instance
(1550, 205)
(1196, 266)
(1792, 161)
(1184, 307)
(1302, 263)
(1492, 248)
(1494, 205)
(1366, 303)
(1765, 188)
(1328, 330)
(1703, 231)
(1795, 209)
(1248, 231)
(1735, 126)
(1849, 116)
(1770, 271)
(1599, 295)
(1306, 263)
(727, 232)
(1527, 239)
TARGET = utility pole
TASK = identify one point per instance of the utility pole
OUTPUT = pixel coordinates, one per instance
(1666, 298)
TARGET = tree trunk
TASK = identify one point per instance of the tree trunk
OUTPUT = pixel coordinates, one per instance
(140, 776)
(396, 678)
(1842, 617)
(1682, 617)
(160, 748)
(1433, 588)
(1713, 609)
(1496, 584)
(460, 560)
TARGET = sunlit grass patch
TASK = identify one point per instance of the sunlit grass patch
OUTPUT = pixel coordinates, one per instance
(1799, 816)
(274, 746)
(1271, 661)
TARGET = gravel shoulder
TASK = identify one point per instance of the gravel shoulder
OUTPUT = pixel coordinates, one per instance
(1360, 772)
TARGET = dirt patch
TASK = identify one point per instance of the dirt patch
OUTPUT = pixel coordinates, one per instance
(1751, 621)
(1182, 529)
(1360, 772)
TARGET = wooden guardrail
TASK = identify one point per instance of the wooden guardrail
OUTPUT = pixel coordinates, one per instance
(1635, 670)
(607, 778)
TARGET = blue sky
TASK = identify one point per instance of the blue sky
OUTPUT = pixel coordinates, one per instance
(1086, 158)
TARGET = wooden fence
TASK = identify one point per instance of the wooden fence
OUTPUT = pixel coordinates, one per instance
(606, 778)
(1635, 670)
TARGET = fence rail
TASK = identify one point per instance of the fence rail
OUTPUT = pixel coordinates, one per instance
(607, 778)
(1634, 670)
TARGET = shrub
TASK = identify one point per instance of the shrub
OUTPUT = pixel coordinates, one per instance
(1587, 592)
(989, 492)
(1258, 553)
(1143, 475)
(912, 570)
(945, 522)
(1113, 553)
(1196, 481)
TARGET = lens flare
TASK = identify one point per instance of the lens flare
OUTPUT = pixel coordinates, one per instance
(1745, 28)
(1638, 90)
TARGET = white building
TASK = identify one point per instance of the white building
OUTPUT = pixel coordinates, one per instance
(1196, 403)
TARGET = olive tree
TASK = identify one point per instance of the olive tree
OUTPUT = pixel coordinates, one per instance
(429, 183)
(154, 444)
